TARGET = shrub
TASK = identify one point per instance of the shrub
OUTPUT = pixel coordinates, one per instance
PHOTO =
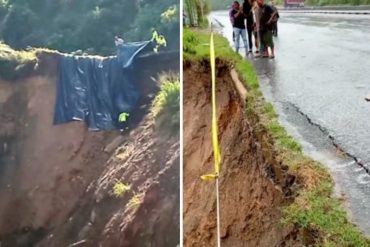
(189, 42)
(166, 106)
(15, 64)
(134, 202)
(120, 188)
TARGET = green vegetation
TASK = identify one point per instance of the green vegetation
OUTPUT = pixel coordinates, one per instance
(196, 12)
(120, 188)
(190, 43)
(86, 25)
(314, 208)
(319, 212)
(283, 140)
(15, 64)
(166, 106)
(124, 151)
(134, 202)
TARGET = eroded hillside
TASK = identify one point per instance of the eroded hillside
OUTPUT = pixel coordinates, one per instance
(56, 181)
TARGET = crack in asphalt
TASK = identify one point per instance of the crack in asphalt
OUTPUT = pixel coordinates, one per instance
(330, 137)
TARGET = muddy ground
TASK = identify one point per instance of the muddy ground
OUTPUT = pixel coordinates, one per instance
(253, 184)
(56, 181)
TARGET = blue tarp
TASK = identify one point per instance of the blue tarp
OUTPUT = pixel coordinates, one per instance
(96, 89)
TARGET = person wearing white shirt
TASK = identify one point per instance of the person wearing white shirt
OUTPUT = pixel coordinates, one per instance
(118, 41)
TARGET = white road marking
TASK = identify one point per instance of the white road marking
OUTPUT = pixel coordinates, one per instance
(363, 179)
(339, 166)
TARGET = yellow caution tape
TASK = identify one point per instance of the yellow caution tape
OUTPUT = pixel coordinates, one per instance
(209, 177)
(216, 148)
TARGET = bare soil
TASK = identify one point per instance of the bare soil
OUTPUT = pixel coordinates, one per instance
(253, 184)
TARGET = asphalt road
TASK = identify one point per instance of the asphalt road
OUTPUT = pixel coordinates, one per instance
(318, 83)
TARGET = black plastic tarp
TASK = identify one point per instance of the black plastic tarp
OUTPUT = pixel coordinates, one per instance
(96, 89)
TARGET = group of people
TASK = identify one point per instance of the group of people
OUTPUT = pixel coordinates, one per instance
(257, 18)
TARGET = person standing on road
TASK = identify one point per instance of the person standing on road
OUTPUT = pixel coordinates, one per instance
(275, 19)
(266, 26)
(256, 26)
(247, 9)
(239, 26)
(232, 19)
(118, 41)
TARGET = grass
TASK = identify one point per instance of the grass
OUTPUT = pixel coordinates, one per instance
(124, 152)
(314, 208)
(120, 189)
(166, 105)
(319, 212)
(15, 64)
(134, 202)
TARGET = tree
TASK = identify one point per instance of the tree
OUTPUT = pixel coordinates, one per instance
(69, 25)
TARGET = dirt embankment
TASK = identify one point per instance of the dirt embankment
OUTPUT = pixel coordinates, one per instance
(253, 184)
(56, 181)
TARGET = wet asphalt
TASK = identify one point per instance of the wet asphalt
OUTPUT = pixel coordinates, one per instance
(318, 83)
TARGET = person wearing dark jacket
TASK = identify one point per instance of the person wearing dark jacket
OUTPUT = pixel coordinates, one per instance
(247, 9)
(232, 19)
(275, 19)
(266, 25)
(238, 18)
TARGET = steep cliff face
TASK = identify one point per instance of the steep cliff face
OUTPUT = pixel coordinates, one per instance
(56, 181)
(254, 185)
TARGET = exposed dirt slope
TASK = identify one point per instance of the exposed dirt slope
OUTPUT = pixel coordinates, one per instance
(254, 185)
(151, 166)
(56, 181)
